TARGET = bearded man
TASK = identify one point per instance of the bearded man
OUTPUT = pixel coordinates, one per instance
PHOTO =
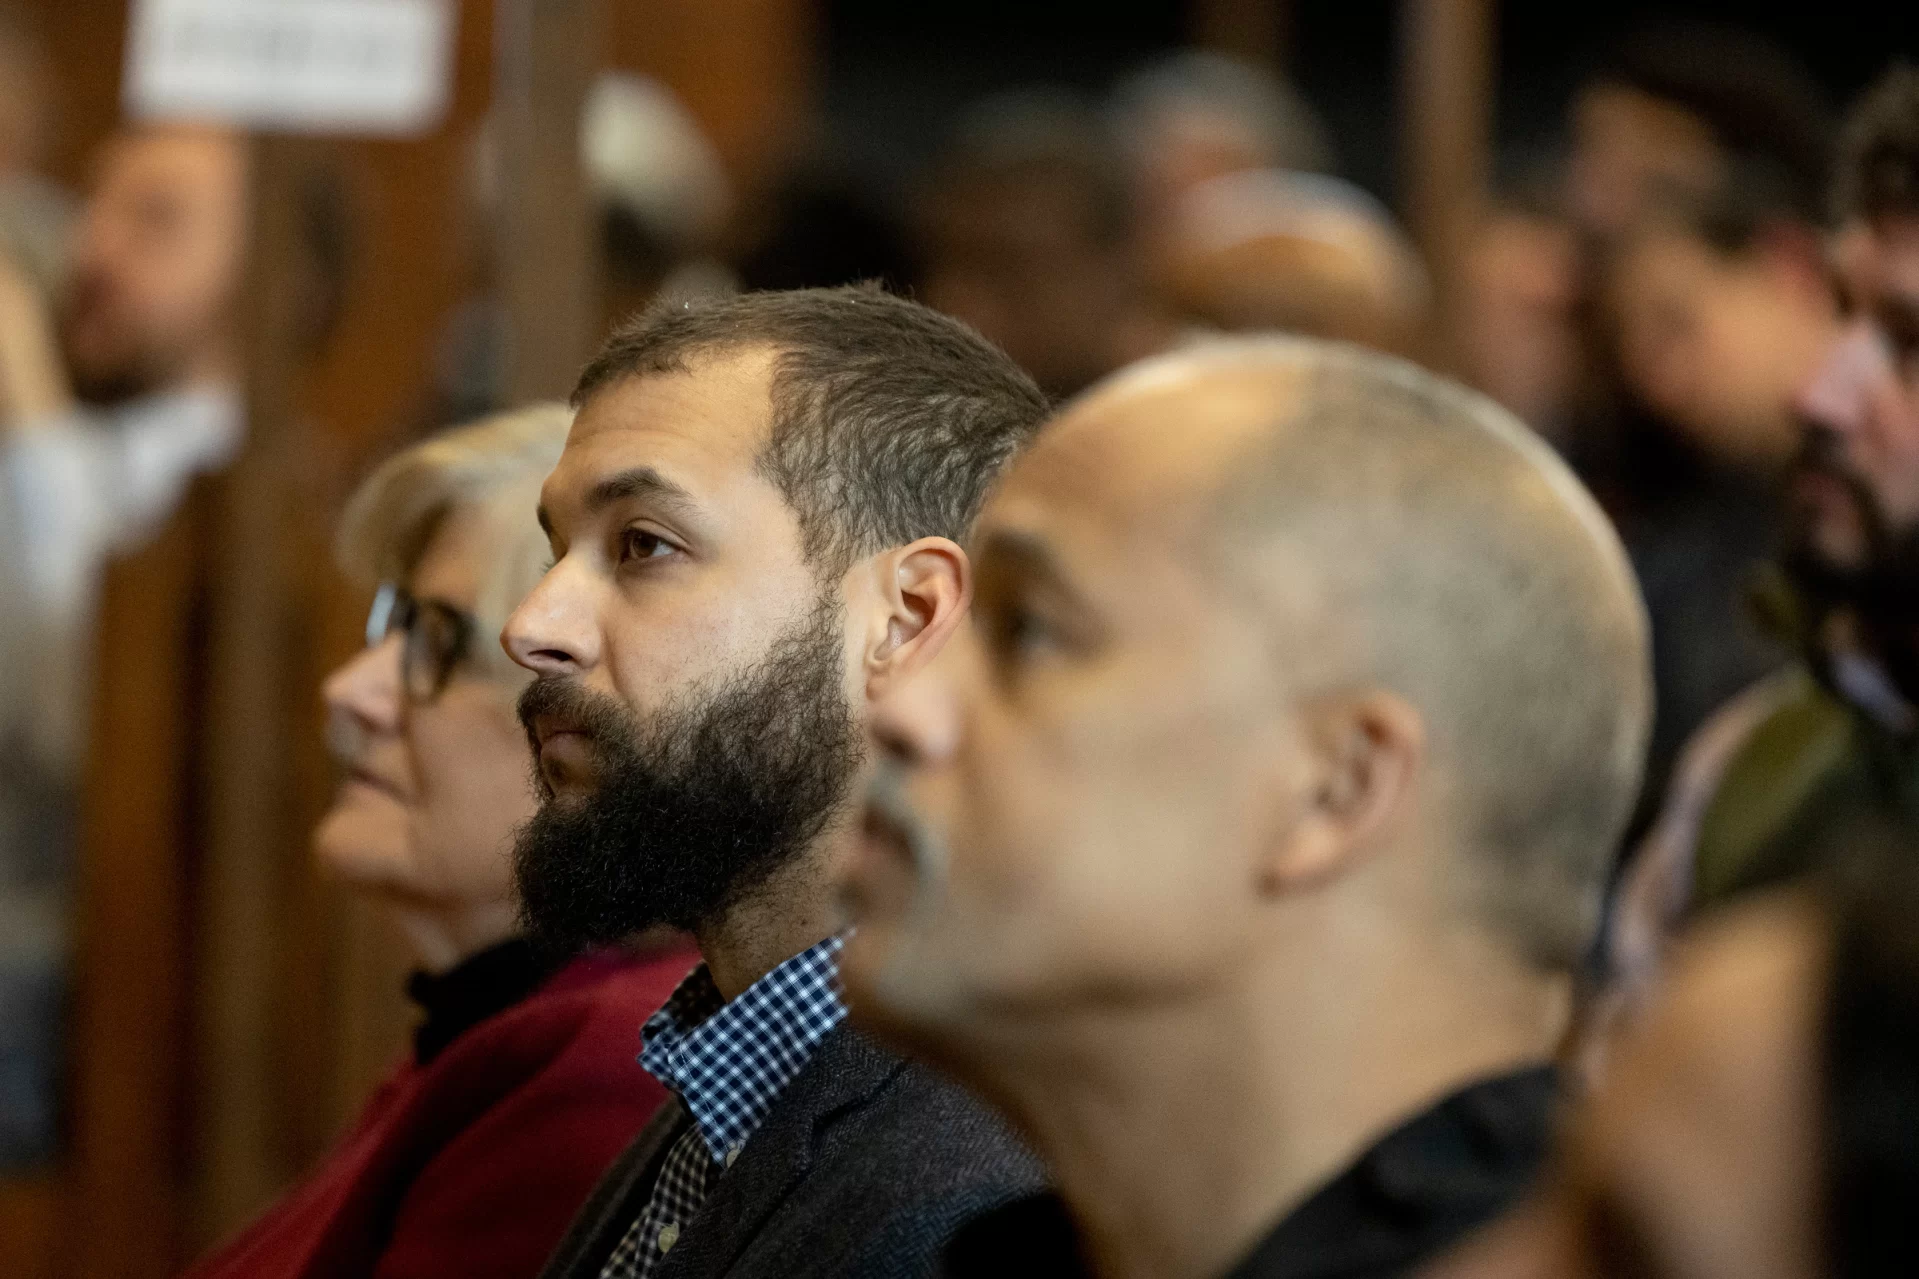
(1833, 740)
(755, 529)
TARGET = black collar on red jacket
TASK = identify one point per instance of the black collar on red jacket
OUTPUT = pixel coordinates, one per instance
(478, 987)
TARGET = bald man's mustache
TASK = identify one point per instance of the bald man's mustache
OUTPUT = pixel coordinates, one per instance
(890, 817)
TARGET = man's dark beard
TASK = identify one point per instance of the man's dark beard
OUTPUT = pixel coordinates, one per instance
(135, 375)
(1882, 591)
(695, 810)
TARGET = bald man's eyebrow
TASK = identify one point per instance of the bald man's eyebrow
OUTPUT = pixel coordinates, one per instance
(641, 481)
(1029, 556)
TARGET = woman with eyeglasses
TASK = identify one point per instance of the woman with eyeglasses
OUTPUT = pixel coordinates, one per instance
(522, 1085)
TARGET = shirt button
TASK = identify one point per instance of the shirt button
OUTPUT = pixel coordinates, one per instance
(732, 1153)
(669, 1235)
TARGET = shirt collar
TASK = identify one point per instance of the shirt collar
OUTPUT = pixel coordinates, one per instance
(729, 1062)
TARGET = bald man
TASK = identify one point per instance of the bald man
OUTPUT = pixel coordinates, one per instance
(1242, 847)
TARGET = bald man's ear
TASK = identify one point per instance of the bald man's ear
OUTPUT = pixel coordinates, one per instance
(924, 589)
(1365, 751)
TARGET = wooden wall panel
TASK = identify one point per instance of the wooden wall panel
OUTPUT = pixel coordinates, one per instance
(29, 1222)
(1446, 65)
(85, 43)
(128, 1167)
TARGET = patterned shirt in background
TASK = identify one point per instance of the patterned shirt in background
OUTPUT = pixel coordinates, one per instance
(728, 1063)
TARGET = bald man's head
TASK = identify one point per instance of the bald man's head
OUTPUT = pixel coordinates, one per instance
(1402, 531)
(1274, 640)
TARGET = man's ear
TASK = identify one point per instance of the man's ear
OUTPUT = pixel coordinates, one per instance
(1365, 753)
(924, 589)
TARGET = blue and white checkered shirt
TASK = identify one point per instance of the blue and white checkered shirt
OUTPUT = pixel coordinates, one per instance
(728, 1063)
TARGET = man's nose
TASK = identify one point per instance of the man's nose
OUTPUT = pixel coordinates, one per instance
(1839, 392)
(920, 723)
(366, 690)
(553, 631)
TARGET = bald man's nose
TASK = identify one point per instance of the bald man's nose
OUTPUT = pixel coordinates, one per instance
(1840, 391)
(554, 630)
(919, 723)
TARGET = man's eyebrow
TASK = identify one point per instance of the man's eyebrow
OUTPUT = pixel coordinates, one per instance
(641, 481)
(1026, 553)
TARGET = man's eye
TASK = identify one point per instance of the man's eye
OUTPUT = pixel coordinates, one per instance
(1018, 632)
(638, 544)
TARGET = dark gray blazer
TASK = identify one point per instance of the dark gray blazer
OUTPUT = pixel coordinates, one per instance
(866, 1166)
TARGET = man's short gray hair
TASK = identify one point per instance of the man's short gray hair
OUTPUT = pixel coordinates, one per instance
(1444, 552)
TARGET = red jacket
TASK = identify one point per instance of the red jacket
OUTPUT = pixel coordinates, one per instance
(474, 1164)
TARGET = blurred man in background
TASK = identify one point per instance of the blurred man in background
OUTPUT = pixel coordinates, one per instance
(753, 528)
(146, 338)
(149, 344)
(1760, 1123)
(1838, 734)
(1241, 848)
(1722, 307)
(1029, 233)
(1694, 117)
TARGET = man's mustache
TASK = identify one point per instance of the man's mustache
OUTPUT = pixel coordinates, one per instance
(888, 806)
(591, 715)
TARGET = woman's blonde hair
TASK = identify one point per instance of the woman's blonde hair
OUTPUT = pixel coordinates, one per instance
(496, 464)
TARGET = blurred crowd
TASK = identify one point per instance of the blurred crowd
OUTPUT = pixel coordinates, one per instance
(1643, 601)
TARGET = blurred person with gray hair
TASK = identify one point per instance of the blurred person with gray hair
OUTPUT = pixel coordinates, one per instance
(521, 1087)
(1242, 849)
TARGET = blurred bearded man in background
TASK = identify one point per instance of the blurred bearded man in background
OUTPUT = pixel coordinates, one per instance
(1242, 848)
(1835, 737)
(110, 405)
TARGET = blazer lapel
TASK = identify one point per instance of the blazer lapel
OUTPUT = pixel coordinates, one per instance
(846, 1070)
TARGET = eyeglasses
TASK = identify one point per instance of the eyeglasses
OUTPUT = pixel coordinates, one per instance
(438, 637)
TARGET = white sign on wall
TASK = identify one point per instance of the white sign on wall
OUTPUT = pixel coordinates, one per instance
(316, 66)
